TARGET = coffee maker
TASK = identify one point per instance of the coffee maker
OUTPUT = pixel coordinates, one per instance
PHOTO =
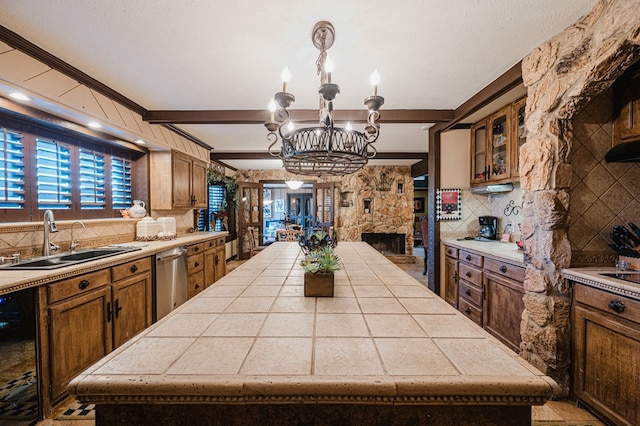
(488, 227)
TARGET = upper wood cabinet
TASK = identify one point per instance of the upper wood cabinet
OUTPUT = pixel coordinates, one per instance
(626, 125)
(186, 176)
(495, 145)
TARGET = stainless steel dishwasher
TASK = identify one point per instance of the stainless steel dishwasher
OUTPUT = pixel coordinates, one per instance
(171, 280)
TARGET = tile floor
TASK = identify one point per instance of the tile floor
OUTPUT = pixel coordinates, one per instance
(553, 413)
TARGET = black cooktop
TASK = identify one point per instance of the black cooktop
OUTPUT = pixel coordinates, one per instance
(634, 278)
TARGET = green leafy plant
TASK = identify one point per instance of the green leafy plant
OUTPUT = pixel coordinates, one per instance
(215, 177)
(323, 261)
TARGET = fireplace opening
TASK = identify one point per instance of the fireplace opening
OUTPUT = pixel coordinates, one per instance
(387, 244)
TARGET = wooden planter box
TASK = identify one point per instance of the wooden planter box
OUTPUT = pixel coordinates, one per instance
(318, 285)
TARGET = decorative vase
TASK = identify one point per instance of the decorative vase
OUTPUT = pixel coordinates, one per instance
(138, 209)
(318, 285)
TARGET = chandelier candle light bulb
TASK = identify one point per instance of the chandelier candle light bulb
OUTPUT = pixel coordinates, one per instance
(285, 76)
(375, 80)
(328, 67)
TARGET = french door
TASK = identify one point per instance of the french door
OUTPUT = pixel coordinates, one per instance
(250, 214)
(323, 201)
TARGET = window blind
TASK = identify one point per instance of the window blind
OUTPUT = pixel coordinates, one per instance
(121, 182)
(216, 198)
(53, 174)
(92, 180)
(12, 182)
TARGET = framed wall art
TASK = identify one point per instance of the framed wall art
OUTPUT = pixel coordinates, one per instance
(448, 204)
(418, 205)
(278, 205)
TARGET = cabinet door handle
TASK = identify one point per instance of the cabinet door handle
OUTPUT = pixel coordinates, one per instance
(503, 269)
(468, 311)
(197, 286)
(449, 251)
(455, 277)
(193, 200)
(109, 313)
(467, 292)
(468, 257)
(133, 268)
(617, 305)
(197, 264)
(468, 274)
(117, 308)
(84, 284)
(216, 259)
(196, 248)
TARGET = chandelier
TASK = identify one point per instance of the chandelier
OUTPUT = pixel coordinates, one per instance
(324, 149)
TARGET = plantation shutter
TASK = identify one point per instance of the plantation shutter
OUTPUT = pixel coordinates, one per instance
(12, 182)
(53, 174)
(92, 180)
(121, 192)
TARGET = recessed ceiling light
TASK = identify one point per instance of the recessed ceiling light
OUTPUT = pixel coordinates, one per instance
(141, 142)
(94, 125)
(19, 96)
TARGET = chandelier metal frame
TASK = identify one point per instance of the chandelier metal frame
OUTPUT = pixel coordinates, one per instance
(323, 150)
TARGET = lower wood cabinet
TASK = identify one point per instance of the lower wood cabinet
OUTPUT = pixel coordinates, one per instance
(488, 291)
(85, 317)
(215, 264)
(195, 269)
(606, 353)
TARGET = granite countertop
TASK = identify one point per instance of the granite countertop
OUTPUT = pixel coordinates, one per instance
(593, 277)
(507, 252)
(254, 338)
(17, 279)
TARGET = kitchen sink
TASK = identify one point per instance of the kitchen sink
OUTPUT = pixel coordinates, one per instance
(68, 259)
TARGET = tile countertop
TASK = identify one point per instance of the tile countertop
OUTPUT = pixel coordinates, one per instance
(254, 338)
(593, 277)
(14, 279)
(507, 252)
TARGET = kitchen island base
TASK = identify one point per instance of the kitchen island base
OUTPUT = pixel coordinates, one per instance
(312, 414)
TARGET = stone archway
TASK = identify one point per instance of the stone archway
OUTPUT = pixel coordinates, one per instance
(561, 77)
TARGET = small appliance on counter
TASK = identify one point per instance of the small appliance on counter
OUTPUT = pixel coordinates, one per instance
(488, 227)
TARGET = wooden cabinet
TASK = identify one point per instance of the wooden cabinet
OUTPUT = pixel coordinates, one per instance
(87, 316)
(186, 176)
(488, 291)
(195, 269)
(470, 289)
(504, 290)
(626, 125)
(495, 145)
(606, 353)
(189, 182)
(214, 260)
(451, 280)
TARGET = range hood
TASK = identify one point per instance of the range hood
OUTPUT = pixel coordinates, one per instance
(628, 152)
(492, 189)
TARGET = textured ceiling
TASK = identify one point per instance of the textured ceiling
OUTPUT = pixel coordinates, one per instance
(220, 55)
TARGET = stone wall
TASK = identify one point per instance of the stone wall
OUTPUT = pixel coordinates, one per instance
(388, 211)
(562, 76)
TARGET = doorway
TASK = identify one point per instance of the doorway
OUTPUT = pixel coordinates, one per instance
(300, 209)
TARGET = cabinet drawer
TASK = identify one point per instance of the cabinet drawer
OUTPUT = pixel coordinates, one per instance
(195, 263)
(451, 251)
(195, 283)
(130, 268)
(77, 285)
(195, 248)
(504, 269)
(472, 258)
(470, 273)
(608, 302)
(216, 242)
(470, 311)
(471, 293)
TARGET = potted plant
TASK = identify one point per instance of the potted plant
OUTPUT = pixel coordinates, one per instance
(319, 266)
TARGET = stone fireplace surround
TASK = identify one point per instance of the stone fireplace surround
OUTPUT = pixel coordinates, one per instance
(562, 76)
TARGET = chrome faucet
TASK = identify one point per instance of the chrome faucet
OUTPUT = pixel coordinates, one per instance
(49, 224)
(75, 243)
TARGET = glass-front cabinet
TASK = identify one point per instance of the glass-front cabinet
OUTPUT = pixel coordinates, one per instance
(499, 140)
(495, 145)
(479, 152)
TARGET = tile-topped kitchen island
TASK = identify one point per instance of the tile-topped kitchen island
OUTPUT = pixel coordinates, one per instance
(253, 350)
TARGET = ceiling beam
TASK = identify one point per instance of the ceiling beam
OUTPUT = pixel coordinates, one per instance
(264, 155)
(260, 116)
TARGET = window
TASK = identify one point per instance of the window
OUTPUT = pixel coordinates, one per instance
(53, 174)
(76, 175)
(12, 184)
(216, 201)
